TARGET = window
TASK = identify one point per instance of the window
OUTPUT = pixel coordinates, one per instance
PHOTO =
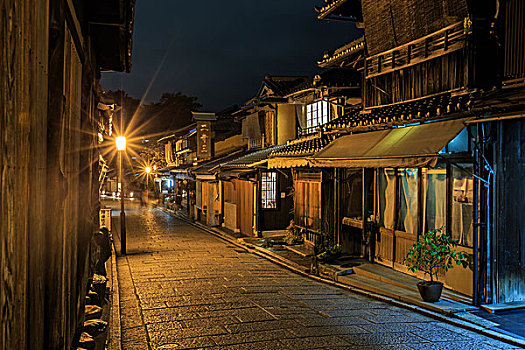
(408, 200)
(387, 197)
(269, 190)
(462, 205)
(434, 198)
(317, 114)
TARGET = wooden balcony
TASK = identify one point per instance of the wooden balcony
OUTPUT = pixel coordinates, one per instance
(442, 42)
(431, 65)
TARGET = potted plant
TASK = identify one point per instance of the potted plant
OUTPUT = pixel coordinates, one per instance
(431, 253)
(293, 235)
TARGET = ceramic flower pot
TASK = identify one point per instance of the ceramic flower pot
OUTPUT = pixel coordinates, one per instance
(430, 291)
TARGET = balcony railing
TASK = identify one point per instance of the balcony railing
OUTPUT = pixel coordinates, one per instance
(442, 42)
(256, 143)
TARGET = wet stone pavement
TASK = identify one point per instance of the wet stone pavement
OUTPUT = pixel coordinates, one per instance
(183, 288)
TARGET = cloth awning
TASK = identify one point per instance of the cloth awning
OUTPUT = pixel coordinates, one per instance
(412, 146)
(287, 162)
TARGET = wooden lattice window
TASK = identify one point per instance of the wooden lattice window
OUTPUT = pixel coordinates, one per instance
(269, 190)
(317, 114)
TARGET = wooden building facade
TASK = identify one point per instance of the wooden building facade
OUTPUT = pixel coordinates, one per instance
(424, 64)
(50, 68)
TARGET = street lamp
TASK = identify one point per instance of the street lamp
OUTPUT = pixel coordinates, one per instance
(120, 142)
(148, 171)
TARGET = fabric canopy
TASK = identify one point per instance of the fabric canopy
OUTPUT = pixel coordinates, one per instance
(412, 146)
(287, 162)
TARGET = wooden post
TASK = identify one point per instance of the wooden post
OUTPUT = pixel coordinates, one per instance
(449, 184)
(396, 214)
(337, 208)
(420, 204)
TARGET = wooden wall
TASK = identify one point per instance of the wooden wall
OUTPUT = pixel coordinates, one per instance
(23, 110)
(509, 203)
(390, 23)
(245, 206)
(47, 193)
(514, 47)
(440, 74)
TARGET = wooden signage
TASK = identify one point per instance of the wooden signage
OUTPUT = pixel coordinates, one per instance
(204, 140)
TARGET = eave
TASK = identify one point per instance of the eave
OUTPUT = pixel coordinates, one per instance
(111, 30)
(341, 10)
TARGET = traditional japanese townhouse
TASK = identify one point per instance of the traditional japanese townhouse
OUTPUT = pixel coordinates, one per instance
(433, 144)
(219, 139)
(318, 101)
(180, 151)
(257, 199)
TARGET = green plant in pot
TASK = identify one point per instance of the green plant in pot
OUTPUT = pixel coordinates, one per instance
(430, 254)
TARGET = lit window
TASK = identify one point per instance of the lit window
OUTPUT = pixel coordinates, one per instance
(317, 114)
(269, 190)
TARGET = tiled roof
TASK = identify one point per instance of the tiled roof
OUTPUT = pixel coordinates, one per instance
(397, 114)
(251, 158)
(207, 166)
(303, 147)
(347, 51)
(333, 77)
(280, 85)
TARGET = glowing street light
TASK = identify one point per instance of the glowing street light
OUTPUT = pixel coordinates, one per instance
(148, 171)
(120, 142)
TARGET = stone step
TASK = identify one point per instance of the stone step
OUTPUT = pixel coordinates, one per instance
(500, 307)
(396, 278)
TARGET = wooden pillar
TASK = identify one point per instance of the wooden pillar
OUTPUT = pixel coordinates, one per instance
(397, 197)
(337, 207)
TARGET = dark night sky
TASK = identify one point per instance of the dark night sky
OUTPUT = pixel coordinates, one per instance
(220, 51)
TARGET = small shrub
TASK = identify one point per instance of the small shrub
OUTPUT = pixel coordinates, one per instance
(432, 252)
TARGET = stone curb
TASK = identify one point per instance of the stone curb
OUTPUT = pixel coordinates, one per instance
(115, 331)
(395, 300)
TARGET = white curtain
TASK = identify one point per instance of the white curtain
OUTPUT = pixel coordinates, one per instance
(462, 208)
(387, 197)
(435, 199)
(409, 182)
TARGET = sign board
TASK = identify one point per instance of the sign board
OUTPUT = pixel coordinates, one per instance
(105, 218)
(204, 140)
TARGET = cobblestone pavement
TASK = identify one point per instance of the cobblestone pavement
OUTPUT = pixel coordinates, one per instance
(181, 288)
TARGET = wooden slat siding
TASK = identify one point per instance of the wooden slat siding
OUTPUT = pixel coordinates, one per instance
(418, 80)
(23, 96)
(385, 246)
(426, 66)
(440, 43)
(205, 202)
(230, 193)
(389, 23)
(403, 242)
(308, 190)
(514, 49)
(54, 179)
(509, 220)
(38, 95)
(245, 206)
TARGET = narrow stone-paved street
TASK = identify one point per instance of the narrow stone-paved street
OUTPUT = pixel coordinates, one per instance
(181, 287)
